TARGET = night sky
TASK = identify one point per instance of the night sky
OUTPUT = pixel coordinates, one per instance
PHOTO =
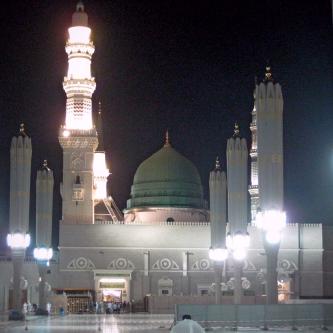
(183, 65)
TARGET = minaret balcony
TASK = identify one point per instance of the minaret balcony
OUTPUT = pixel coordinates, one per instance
(80, 49)
(79, 86)
(254, 190)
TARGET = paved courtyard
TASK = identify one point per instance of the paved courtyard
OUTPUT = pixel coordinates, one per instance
(124, 323)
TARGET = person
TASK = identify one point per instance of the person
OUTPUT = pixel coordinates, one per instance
(187, 325)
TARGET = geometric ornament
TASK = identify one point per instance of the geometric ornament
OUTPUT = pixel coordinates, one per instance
(121, 263)
(81, 263)
(165, 264)
(201, 265)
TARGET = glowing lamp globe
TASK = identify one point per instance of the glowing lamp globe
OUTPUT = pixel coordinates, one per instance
(218, 254)
(66, 133)
(272, 222)
(273, 237)
(18, 240)
(238, 244)
(239, 254)
(43, 254)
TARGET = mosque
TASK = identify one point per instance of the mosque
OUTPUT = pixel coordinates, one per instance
(156, 253)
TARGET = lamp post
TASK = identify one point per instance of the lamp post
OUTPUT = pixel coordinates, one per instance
(271, 219)
(18, 242)
(272, 223)
(218, 217)
(43, 252)
(18, 239)
(237, 238)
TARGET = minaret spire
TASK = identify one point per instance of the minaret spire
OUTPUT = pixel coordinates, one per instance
(167, 139)
(22, 131)
(268, 74)
(236, 130)
(217, 164)
(79, 85)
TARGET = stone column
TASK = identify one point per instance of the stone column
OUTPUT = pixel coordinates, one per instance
(238, 281)
(18, 259)
(218, 268)
(146, 278)
(41, 288)
(272, 275)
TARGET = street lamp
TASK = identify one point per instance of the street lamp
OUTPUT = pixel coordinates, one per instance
(238, 244)
(18, 241)
(218, 254)
(43, 255)
(271, 222)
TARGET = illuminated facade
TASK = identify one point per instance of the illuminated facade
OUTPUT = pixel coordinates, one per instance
(253, 188)
(160, 246)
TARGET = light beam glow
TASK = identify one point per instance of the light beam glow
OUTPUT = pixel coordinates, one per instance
(218, 254)
(272, 222)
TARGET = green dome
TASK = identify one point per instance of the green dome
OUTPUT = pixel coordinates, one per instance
(166, 179)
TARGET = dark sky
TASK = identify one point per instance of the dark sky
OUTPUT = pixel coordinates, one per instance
(184, 65)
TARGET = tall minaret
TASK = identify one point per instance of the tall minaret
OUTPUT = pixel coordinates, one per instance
(78, 137)
(253, 188)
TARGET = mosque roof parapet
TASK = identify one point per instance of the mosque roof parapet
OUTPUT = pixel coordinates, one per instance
(161, 223)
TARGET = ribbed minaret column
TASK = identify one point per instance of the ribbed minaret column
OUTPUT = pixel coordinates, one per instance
(269, 106)
(253, 188)
(18, 240)
(78, 137)
(237, 156)
(101, 172)
(218, 219)
(44, 205)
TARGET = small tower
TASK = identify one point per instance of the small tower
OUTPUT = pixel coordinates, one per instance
(218, 206)
(269, 110)
(218, 222)
(18, 238)
(44, 205)
(237, 155)
(20, 170)
(78, 137)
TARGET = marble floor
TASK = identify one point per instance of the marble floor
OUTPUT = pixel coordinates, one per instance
(123, 323)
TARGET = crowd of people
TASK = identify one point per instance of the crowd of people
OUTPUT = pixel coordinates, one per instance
(112, 307)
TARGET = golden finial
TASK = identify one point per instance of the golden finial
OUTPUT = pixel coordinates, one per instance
(268, 74)
(236, 130)
(22, 132)
(217, 164)
(167, 139)
(80, 7)
(45, 167)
